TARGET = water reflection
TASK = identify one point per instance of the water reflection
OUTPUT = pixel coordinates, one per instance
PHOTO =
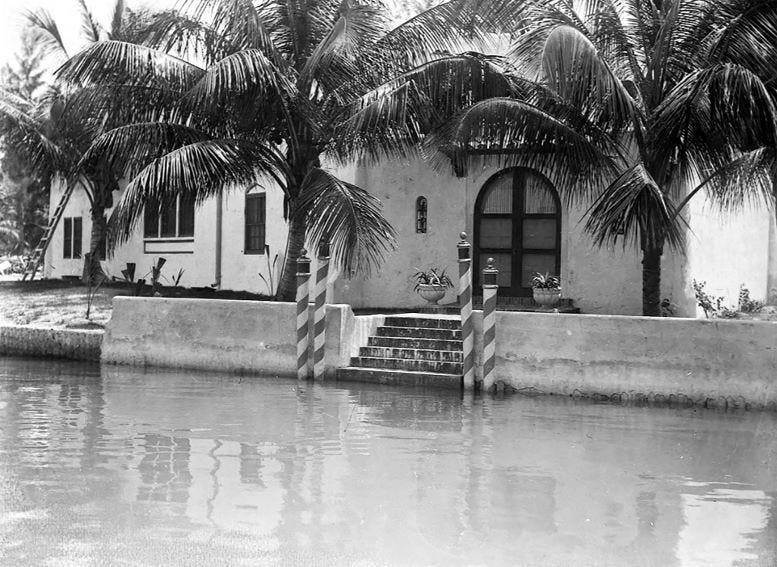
(117, 466)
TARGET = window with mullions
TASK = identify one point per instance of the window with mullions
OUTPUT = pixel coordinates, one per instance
(176, 220)
(420, 215)
(255, 223)
(72, 241)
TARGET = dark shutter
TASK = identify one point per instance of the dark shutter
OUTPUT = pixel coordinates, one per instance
(151, 221)
(186, 217)
(77, 226)
(67, 248)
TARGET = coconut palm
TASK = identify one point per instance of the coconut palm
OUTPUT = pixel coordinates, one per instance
(282, 90)
(54, 129)
(679, 93)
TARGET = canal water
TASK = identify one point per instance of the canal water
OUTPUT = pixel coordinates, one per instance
(116, 466)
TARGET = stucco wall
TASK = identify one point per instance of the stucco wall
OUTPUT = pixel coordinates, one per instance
(632, 356)
(724, 251)
(598, 280)
(228, 336)
(729, 250)
(239, 271)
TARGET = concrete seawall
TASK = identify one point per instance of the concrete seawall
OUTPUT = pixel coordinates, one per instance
(17, 340)
(709, 362)
(221, 335)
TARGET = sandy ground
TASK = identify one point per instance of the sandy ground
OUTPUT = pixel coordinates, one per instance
(53, 303)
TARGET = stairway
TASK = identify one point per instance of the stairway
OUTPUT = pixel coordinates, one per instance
(416, 350)
(40, 251)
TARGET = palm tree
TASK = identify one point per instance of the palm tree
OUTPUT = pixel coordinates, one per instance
(277, 89)
(55, 129)
(678, 94)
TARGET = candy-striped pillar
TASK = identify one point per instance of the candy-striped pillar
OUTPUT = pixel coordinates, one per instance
(319, 317)
(489, 321)
(465, 305)
(303, 296)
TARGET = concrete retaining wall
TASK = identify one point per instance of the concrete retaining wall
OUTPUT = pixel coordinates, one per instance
(230, 336)
(72, 344)
(709, 362)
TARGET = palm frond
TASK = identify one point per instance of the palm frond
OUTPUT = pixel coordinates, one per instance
(349, 218)
(575, 71)
(391, 118)
(247, 71)
(195, 171)
(89, 26)
(48, 31)
(746, 179)
(107, 62)
(334, 60)
(510, 132)
(117, 19)
(635, 209)
(130, 148)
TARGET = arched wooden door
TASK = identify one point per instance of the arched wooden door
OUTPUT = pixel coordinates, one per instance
(518, 223)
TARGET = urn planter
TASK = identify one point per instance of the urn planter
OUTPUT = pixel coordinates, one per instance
(546, 297)
(431, 292)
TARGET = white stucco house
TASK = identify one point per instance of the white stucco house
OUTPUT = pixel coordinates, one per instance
(513, 215)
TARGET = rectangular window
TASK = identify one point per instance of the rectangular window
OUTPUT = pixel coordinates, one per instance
(72, 241)
(176, 220)
(255, 223)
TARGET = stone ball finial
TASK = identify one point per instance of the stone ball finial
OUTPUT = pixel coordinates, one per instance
(490, 263)
(463, 236)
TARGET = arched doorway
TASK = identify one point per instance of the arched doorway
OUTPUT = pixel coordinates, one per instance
(518, 223)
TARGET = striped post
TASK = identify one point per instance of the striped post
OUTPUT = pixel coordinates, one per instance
(465, 305)
(489, 321)
(319, 318)
(303, 295)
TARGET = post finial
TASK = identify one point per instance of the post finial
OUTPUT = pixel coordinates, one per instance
(490, 274)
(464, 248)
(303, 263)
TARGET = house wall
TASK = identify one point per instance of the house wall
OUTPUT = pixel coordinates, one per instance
(724, 251)
(598, 280)
(239, 271)
(729, 250)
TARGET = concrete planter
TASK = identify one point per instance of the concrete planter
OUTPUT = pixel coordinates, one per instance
(431, 292)
(546, 297)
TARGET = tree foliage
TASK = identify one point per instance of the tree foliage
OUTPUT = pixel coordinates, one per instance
(242, 89)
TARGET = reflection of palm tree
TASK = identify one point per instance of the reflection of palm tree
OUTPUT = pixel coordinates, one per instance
(280, 89)
(680, 95)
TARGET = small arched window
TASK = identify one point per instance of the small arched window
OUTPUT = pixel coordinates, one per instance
(420, 215)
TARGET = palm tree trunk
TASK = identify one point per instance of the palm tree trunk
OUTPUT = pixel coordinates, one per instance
(651, 280)
(92, 268)
(287, 289)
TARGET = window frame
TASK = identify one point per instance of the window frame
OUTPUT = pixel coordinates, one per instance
(158, 215)
(72, 241)
(247, 249)
(421, 215)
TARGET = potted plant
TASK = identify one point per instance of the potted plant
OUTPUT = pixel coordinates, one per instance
(546, 289)
(432, 284)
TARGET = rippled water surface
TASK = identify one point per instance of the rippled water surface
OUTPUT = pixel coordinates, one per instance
(120, 467)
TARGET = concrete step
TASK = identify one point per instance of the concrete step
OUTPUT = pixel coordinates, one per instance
(424, 322)
(419, 333)
(400, 377)
(412, 354)
(409, 342)
(407, 364)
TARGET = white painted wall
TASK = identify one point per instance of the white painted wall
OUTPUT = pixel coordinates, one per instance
(598, 280)
(728, 250)
(724, 251)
